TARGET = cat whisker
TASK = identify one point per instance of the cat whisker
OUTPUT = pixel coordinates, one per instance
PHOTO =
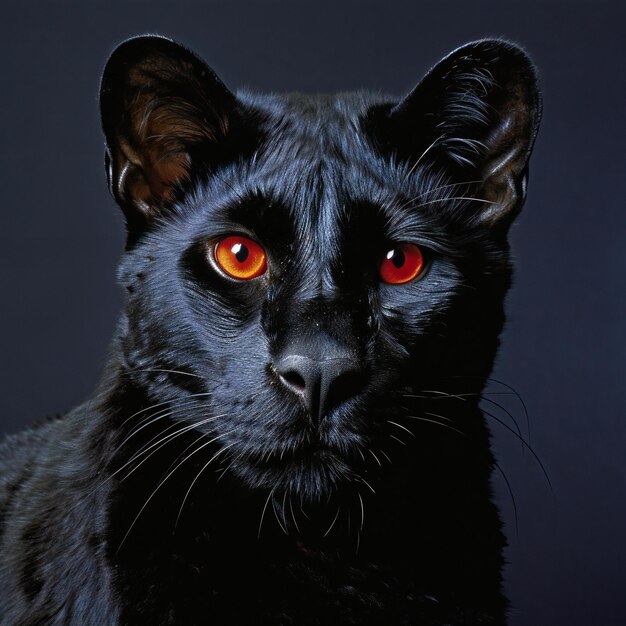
(524, 443)
(225, 470)
(136, 456)
(362, 505)
(519, 397)
(432, 145)
(267, 501)
(293, 516)
(303, 512)
(156, 417)
(437, 423)
(436, 189)
(161, 442)
(441, 395)
(443, 417)
(148, 420)
(375, 457)
(510, 490)
(164, 480)
(277, 517)
(143, 410)
(385, 455)
(362, 480)
(429, 192)
(166, 371)
(169, 405)
(398, 440)
(457, 198)
(284, 502)
(193, 482)
(497, 404)
(333, 522)
(507, 386)
(173, 426)
(358, 535)
(402, 427)
(428, 393)
(188, 447)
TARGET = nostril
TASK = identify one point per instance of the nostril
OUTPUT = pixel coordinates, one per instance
(294, 380)
(343, 386)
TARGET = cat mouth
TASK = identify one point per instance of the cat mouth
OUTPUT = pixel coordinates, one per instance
(312, 470)
(284, 459)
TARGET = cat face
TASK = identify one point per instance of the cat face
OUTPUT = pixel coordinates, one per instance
(299, 267)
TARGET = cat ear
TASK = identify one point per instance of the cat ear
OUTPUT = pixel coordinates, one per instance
(163, 111)
(476, 115)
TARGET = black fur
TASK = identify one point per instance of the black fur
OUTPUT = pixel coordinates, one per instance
(195, 486)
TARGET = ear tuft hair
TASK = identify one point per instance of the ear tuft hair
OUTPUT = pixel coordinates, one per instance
(475, 115)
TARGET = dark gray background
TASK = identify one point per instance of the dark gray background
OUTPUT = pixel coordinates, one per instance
(565, 344)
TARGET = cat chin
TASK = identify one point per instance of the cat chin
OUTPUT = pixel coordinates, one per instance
(311, 477)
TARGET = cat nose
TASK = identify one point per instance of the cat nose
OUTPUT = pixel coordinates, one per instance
(323, 383)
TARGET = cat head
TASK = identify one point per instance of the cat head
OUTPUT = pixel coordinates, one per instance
(298, 267)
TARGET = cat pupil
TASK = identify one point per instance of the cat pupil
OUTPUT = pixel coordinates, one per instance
(240, 251)
(397, 257)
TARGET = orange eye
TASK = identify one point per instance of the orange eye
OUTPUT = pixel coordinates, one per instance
(240, 257)
(401, 264)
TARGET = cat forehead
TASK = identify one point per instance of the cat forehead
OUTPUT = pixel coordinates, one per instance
(313, 130)
(314, 169)
(315, 150)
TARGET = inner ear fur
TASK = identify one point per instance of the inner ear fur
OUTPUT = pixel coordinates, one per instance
(163, 109)
(474, 115)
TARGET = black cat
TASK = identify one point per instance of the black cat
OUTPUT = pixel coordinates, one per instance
(288, 430)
